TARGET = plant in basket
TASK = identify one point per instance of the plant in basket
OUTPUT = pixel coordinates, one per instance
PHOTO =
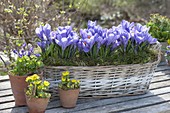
(26, 63)
(37, 96)
(128, 44)
(68, 90)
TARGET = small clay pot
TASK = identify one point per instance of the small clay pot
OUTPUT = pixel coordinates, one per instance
(37, 105)
(18, 85)
(68, 98)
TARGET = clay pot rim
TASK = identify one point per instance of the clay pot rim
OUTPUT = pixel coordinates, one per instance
(18, 76)
(27, 75)
(29, 97)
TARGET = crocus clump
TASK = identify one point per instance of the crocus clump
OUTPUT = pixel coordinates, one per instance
(61, 42)
(96, 45)
(25, 51)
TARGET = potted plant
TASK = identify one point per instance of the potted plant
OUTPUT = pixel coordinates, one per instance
(68, 90)
(37, 96)
(25, 64)
(159, 28)
(102, 59)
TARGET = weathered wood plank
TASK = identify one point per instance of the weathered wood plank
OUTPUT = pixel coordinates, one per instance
(15, 110)
(162, 68)
(5, 85)
(8, 105)
(4, 77)
(6, 99)
(123, 106)
(159, 84)
(5, 92)
(160, 108)
(160, 78)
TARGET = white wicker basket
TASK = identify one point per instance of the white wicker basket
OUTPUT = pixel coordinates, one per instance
(107, 81)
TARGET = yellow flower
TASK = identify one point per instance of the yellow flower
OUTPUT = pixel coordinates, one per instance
(78, 81)
(65, 73)
(168, 41)
(37, 82)
(39, 87)
(27, 79)
(35, 77)
(46, 83)
(40, 95)
(30, 85)
(73, 80)
(63, 79)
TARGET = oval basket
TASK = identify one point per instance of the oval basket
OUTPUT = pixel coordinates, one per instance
(107, 81)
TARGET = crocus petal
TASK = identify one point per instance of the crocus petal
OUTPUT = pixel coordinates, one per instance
(47, 29)
(39, 31)
(91, 24)
(15, 51)
(24, 45)
(37, 55)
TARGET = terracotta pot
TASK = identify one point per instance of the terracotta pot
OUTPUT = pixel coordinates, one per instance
(37, 105)
(68, 98)
(18, 86)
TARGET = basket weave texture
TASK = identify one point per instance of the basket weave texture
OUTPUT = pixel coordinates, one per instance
(107, 81)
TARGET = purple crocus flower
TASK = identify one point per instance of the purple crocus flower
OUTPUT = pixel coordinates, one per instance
(116, 44)
(139, 38)
(127, 26)
(141, 28)
(124, 38)
(24, 45)
(85, 33)
(15, 51)
(141, 34)
(111, 36)
(83, 46)
(150, 39)
(64, 37)
(168, 47)
(86, 44)
(43, 32)
(30, 51)
(91, 24)
(42, 45)
(37, 55)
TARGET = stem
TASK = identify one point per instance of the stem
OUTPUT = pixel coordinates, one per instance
(34, 90)
(4, 62)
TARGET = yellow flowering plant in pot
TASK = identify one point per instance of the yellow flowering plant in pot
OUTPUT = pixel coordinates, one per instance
(37, 96)
(68, 90)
